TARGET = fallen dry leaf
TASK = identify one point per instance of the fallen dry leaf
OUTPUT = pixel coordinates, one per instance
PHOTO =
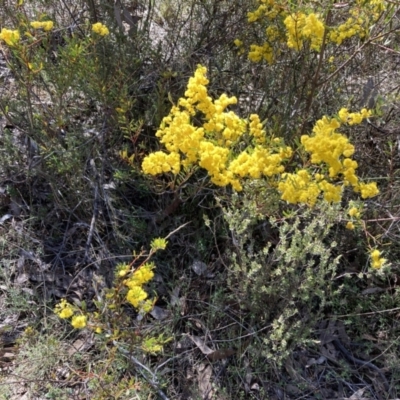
(357, 395)
(201, 345)
(204, 380)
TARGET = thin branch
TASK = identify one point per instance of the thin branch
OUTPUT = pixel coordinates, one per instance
(153, 380)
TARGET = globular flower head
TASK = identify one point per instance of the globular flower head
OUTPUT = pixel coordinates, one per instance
(79, 321)
(354, 212)
(350, 225)
(158, 244)
(136, 295)
(63, 309)
(376, 260)
(141, 276)
(368, 190)
(10, 37)
(45, 25)
(100, 29)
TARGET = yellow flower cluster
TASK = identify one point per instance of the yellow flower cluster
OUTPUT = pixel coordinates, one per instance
(302, 187)
(355, 214)
(376, 260)
(269, 9)
(79, 321)
(239, 44)
(10, 37)
(332, 150)
(136, 294)
(300, 26)
(304, 23)
(363, 16)
(100, 29)
(211, 144)
(353, 118)
(258, 53)
(65, 310)
(352, 27)
(45, 25)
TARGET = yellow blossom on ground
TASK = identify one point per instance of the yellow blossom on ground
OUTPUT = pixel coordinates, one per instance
(79, 321)
(63, 309)
(376, 260)
(350, 225)
(9, 36)
(66, 313)
(100, 29)
(354, 212)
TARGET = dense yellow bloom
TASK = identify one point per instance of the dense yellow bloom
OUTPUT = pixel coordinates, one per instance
(376, 260)
(136, 295)
(144, 274)
(79, 321)
(45, 25)
(159, 162)
(256, 128)
(294, 24)
(332, 193)
(354, 212)
(299, 188)
(63, 309)
(300, 26)
(141, 276)
(259, 53)
(210, 143)
(350, 225)
(353, 118)
(307, 26)
(36, 24)
(352, 27)
(48, 25)
(9, 36)
(268, 9)
(66, 313)
(328, 146)
(100, 29)
(368, 190)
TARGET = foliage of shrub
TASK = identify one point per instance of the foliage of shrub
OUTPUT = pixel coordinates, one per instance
(288, 283)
